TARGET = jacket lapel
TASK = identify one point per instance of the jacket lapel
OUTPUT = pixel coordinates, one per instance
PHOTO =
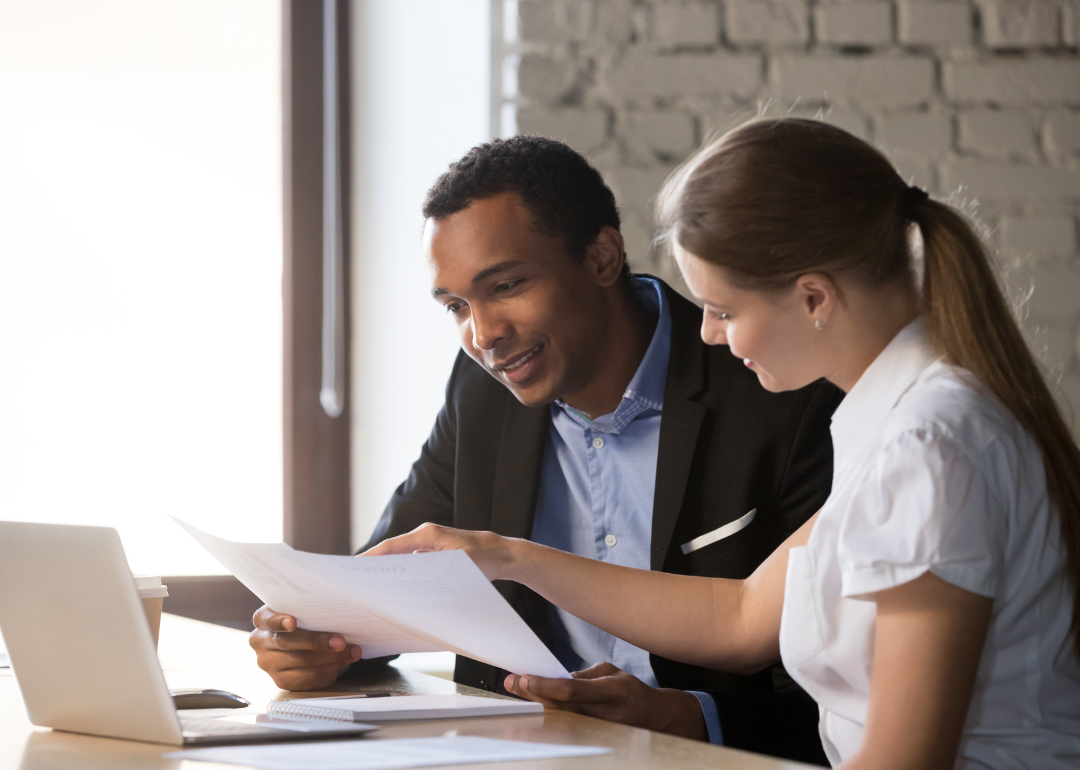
(517, 470)
(680, 423)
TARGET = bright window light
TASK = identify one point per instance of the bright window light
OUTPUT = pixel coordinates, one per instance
(140, 270)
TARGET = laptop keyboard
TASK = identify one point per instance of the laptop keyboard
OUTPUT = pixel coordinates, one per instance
(219, 727)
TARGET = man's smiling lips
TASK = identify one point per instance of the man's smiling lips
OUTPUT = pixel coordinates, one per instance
(518, 368)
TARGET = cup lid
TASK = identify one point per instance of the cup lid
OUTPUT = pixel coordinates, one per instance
(144, 582)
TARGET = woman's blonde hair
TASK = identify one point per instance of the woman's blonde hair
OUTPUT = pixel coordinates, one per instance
(778, 198)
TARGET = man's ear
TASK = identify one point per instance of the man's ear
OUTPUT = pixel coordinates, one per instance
(605, 256)
(818, 296)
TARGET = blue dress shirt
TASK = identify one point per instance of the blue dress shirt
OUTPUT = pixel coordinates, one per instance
(596, 496)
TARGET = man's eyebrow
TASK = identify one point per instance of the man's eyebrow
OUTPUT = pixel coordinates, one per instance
(487, 272)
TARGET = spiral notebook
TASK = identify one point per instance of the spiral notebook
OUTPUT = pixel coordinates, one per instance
(401, 708)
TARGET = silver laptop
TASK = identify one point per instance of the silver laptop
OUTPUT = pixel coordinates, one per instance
(81, 650)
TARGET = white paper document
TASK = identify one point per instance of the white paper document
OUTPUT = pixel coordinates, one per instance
(421, 602)
(385, 754)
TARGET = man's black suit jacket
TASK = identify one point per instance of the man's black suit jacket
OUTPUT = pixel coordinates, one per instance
(726, 446)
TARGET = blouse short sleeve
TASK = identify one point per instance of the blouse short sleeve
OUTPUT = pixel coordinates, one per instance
(922, 506)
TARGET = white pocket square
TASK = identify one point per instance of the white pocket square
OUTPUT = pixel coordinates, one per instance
(719, 534)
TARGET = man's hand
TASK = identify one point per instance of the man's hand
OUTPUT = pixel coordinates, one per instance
(607, 692)
(297, 659)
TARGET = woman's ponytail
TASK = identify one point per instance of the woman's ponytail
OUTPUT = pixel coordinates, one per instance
(968, 319)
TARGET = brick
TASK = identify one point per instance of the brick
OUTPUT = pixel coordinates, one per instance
(777, 22)
(614, 21)
(893, 81)
(1070, 23)
(668, 133)
(863, 24)
(1039, 235)
(541, 21)
(636, 188)
(1062, 133)
(999, 134)
(640, 74)
(992, 180)
(583, 129)
(685, 25)
(915, 133)
(543, 78)
(934, 24)
(1019, 24)
(1016, 82)
(1055, 294)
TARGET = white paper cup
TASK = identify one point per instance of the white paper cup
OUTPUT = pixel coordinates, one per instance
(153, 594)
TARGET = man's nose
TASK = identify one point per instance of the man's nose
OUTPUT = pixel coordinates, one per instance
(487, 330)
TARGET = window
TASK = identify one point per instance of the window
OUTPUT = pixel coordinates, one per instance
(140, 270)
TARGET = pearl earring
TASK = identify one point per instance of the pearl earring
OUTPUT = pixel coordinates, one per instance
(819, 325)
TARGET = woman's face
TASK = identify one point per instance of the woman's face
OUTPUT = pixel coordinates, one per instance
(774, 334)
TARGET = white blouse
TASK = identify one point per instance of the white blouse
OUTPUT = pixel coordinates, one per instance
(932, 474)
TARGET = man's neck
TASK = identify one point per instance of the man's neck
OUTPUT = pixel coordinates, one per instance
(624, 345)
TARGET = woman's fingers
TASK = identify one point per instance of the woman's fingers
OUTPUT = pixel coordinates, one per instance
(488, 551)
(426, 537)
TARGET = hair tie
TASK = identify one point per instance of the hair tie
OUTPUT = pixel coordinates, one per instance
(912, 196)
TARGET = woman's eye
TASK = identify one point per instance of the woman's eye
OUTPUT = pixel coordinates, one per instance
(718, 316)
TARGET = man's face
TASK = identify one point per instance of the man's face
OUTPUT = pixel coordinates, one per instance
(525, 309)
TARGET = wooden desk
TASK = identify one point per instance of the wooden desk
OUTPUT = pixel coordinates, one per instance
(196, 654)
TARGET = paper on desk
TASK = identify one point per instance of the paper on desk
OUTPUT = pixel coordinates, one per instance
(385, 754)
(421, 602)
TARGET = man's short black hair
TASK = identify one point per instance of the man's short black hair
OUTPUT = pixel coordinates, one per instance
(565, 195)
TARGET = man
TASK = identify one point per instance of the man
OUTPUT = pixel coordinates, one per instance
(585, 413)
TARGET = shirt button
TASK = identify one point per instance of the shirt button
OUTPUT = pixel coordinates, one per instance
(599, 444)
(610, 540)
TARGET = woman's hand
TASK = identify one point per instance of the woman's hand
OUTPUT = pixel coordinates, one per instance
(493, 554)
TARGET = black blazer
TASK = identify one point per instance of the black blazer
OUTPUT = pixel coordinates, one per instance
(726, 446)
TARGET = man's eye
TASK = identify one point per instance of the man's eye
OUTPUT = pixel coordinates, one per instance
(454, 307)
(507, 286)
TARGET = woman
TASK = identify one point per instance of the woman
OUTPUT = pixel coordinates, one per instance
(930, 607)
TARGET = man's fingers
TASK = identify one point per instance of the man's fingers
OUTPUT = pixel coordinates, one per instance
(282, 660)
(266, 619)
(596, 671)
(570, 690)
(306, 679)
(307, 640)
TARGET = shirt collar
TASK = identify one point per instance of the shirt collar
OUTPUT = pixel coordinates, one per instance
(646, 388)
(858, 419)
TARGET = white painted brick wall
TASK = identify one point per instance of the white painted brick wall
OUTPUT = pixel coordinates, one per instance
(676, 24)
(934, 24)
(1020, 23)
(1000, 133)
(979, 99)
(776, 22)
(859, 24)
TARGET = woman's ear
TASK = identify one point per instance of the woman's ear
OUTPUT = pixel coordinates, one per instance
(606, 255)
(818, 296)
